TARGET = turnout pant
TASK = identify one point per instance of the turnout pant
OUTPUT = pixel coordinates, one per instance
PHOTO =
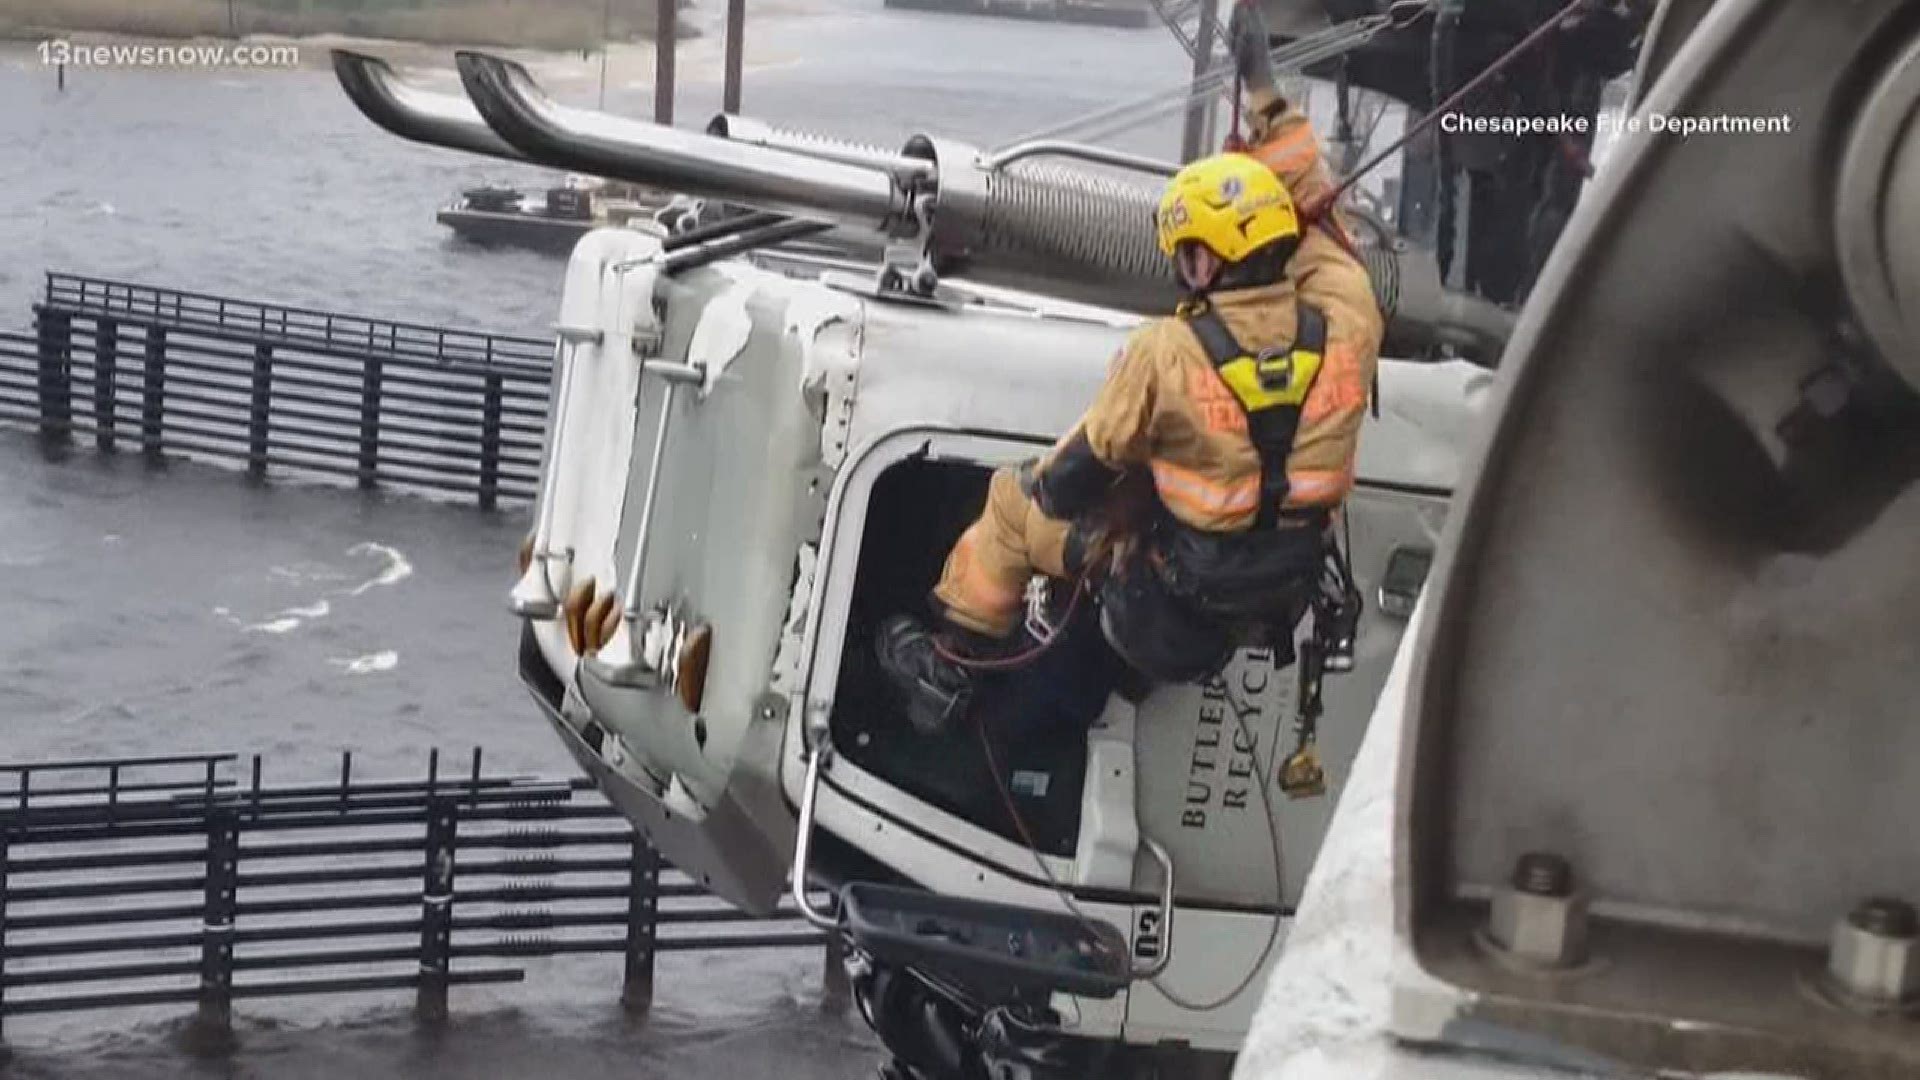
(983, 585)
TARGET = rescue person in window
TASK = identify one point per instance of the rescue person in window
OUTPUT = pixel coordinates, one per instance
(1242, 410)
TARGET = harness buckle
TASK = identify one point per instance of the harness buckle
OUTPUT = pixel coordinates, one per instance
(1274, 369)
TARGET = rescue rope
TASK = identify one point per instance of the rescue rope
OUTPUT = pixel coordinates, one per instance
(1234, 143)
(1025, 656)
(1088, 923)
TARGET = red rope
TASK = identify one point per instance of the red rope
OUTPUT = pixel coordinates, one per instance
(1025, 656)
(1234, 143)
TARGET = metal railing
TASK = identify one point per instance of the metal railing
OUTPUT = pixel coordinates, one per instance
(153, 881)
(275, 387)
(324, 330)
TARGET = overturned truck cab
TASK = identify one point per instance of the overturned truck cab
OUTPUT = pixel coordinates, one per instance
(748, 471)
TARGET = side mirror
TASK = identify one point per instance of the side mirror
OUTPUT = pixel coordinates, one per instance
(1406, 575)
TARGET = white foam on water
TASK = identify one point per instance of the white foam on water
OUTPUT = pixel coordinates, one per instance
(385, 660)
(397, 569)
(289, 619)
(304, 572)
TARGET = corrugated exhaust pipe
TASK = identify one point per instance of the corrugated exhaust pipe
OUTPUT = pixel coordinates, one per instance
(645, 153)
(1428, 314)
(414, 114)
(1048, 228)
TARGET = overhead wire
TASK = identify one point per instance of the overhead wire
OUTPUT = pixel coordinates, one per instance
(1520, 48)
(1299, 53)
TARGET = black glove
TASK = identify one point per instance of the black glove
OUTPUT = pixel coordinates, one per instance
(1249, 41)
(1074, 482)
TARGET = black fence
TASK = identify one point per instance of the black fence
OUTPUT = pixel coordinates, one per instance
(163, 880)
(277, 387)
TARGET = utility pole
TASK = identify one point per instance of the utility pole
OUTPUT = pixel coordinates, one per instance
(1198, 129)
(664, 48)
(232, 23)
(736, 34)
(606, 34)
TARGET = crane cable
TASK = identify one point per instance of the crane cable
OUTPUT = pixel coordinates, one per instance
(1302, 52)
(1525, 45)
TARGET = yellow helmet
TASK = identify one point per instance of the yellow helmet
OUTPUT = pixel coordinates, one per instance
(1230, 202)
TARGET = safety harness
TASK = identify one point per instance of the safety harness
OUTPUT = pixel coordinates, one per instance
(1271, 387)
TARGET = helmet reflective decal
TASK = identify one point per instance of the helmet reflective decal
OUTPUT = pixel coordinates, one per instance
(1229, 203)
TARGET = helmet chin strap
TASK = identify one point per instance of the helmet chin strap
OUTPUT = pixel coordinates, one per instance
(1199, 267)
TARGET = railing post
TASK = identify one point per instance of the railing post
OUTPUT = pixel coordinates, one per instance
(370, 423)
(736, 40)
(5, 863)
(216, 944)
(490, 441)
(257, 420)
(664, 48)
(153, 398)
(643, 925)
(436, 910)
(56, 376)
(106, 366)
(835, 990)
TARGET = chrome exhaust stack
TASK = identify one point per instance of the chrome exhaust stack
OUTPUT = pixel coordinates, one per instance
(1077, 226)
(743, 129)
(416, 115)
(653, 154)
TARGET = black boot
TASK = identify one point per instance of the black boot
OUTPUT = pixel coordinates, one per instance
(936, 690)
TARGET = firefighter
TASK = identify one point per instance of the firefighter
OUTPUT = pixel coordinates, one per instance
(1242, 411)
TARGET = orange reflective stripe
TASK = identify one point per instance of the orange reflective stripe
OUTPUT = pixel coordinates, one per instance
(1293, 151)
(974, 586)
(1317, 487)
(1209, 498)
